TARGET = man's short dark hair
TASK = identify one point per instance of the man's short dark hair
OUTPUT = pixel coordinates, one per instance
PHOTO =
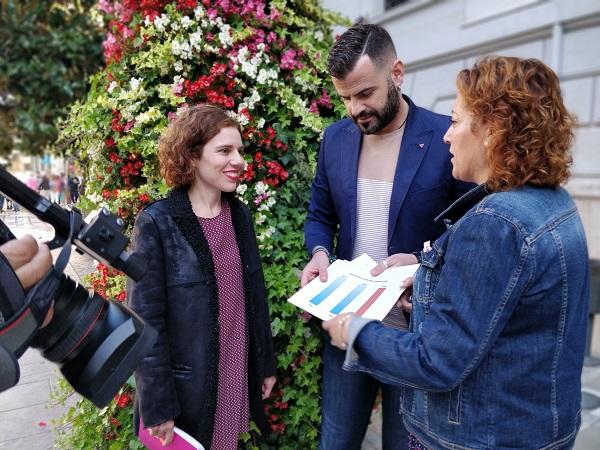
(360, 39)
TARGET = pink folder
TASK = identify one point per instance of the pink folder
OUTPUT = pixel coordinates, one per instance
(181, 440)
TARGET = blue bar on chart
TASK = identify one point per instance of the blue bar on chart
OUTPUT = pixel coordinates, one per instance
(348, 298)
(328, 290)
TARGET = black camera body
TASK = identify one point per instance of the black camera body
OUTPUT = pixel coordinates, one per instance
(96, 342)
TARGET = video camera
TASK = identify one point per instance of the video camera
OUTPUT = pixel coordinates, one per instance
(97, 343)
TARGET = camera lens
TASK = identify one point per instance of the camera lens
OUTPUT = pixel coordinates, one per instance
(97, 343)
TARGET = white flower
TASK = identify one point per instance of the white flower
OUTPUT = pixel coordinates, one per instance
(176, 47)
(195, 39)
(113, 84)
(242, 120)
(261, 123)
(186, 50)
(186, 22)
(178, 66)
(177, 79)
(266, 75)
(319, 35)
(271, 201)
(225, 34)
(241, 189)
(175, 26)
(199, 12)
(134, 83)
(95, 198)
(161, 22)
(249, 102)
(260, 219)
(261, 188)
(263, 207)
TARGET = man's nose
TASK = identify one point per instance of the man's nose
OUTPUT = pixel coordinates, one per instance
(356, 107)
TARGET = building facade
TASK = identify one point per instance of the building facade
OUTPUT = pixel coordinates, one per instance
(437, 38)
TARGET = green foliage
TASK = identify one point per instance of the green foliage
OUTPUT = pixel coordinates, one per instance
(85, 427)
(265, 64)
(49, 48)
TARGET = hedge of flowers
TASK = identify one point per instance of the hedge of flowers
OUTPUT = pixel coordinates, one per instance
(265, 64)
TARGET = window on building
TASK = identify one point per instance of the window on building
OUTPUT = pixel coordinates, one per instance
(389, 4)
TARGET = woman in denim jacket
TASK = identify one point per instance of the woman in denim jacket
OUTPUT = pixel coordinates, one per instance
(494, 355)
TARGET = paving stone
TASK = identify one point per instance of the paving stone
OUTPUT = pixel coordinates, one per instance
(27, 421)
(40, 441)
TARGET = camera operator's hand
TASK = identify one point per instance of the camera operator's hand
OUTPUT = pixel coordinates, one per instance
(30, 262)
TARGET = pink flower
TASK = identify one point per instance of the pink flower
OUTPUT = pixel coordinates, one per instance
(106, 6)
(178, 88)
(288, 59)
(325, 100)
(275, 15)
(305, 316)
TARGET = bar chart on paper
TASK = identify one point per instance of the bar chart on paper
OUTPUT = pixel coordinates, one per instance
(351, 288)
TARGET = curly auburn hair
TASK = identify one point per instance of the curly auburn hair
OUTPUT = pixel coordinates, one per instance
(530, 130)
(185, 138)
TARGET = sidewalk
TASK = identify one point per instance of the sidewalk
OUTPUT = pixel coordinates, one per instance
(25, 418)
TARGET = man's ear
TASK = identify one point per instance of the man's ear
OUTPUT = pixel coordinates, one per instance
(398, 73)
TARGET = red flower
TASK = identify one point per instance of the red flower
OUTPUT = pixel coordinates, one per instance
(109, 142)
(123, 399)
(186, 4)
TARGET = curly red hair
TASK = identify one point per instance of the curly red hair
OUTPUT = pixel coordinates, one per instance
(185, 138)
(530, 130)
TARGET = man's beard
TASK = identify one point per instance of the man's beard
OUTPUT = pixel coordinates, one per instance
(381, 118)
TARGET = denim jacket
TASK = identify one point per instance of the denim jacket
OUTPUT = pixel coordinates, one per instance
(494, 356)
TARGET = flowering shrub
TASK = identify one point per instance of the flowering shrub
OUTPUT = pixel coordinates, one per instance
(87, 427)
(265, 64)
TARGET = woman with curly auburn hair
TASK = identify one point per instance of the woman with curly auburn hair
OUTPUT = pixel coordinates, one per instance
(494, 354)
(204, 291)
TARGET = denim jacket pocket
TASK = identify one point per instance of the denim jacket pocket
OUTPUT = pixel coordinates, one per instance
(428, 276)
(407, 401)
(454, 405)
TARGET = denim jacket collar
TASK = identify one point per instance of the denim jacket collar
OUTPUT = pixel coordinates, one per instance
(458, 209)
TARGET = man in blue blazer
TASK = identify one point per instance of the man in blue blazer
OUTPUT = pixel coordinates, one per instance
(383, 175)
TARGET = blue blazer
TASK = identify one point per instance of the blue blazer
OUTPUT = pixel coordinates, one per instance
(423, 186)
